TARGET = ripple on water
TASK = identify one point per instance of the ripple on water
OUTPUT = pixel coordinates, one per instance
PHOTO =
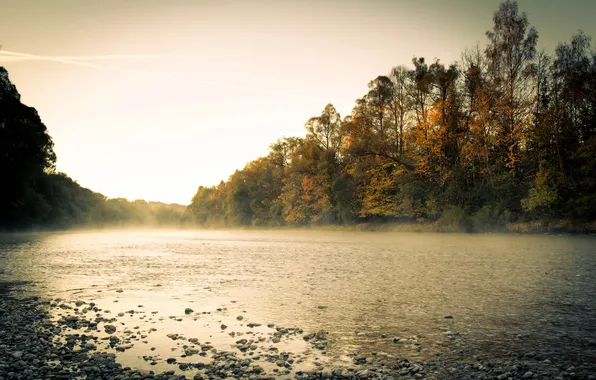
(358, 287)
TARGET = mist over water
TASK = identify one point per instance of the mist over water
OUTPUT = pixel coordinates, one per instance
(503, 292)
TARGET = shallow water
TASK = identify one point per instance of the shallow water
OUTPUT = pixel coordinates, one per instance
(503, 292)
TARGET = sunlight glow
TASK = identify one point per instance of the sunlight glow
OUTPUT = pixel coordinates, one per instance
(173, 96)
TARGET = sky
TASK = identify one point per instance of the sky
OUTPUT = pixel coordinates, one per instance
(149, 99)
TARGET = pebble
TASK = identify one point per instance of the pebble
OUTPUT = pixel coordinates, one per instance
(29, 348)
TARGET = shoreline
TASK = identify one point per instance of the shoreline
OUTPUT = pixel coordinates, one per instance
(35, 345)
(519, 228)
(537, 227)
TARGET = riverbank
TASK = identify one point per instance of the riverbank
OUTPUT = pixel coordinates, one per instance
(556, 226)
(34, 346)
(531, 227)
(35, 343)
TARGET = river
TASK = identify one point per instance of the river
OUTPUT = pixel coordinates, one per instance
(384, 295)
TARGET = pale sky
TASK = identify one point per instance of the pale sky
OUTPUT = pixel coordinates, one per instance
(213, 83)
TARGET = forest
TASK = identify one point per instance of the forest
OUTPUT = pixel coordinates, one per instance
(502, 138)
(34, 196)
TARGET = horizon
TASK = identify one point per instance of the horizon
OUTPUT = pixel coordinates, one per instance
(220, 95)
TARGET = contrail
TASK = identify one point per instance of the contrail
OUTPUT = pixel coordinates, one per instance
(22, 56)
(77, 62)
(80, 61)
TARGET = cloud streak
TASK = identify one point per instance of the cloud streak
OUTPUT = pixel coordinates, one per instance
(79, 61)
(10, 56)
(23, 56)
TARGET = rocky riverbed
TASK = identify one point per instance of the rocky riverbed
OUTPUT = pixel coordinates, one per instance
(65, 339)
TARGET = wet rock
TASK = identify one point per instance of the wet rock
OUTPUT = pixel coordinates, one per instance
(175, 336)
(50, 349)
(124, 348)
(364, 374)
(308, 337)
(360, 360)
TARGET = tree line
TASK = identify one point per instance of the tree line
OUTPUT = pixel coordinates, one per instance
(506, 134)
(34, 195)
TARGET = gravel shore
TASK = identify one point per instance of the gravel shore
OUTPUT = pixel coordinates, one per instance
(34, 345)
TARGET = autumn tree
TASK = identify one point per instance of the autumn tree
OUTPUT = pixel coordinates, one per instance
(280, 152)
(306, 195)
(400, 106)
(325, 130)
(504, 134)
(510, 53)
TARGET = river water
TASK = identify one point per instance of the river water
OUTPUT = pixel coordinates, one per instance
(439, 293)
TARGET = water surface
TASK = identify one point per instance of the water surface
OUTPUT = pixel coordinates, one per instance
(501, 293)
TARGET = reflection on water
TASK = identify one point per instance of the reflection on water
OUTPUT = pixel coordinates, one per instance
(363, 288)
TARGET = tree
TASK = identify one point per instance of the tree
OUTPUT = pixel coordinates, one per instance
(510, 53)
(281, 151)
(380, 97)
(238, 200)
(505, 134)
(573, 97)
(307, 194)
(26, 153)
(325, 129)
(400, 106)
(541, 194)
(421, 80)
